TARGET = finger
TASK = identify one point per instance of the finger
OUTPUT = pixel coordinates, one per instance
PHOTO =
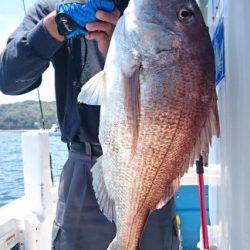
(109, 17)
(117, 13)
(102, 39)
(101, 26)
(98, 36)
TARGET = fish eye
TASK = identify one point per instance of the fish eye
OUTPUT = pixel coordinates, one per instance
(185, 14)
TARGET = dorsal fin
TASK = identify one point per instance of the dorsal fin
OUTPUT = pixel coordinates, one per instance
(201, 147)
(210, 127)
(132, 103)
(92, 91)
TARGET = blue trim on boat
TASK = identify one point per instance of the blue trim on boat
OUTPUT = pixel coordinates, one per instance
(188, 208)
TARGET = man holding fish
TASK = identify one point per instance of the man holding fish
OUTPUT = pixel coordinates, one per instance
(76, 57)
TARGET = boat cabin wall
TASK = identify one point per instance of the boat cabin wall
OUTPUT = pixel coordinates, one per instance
(228, 22)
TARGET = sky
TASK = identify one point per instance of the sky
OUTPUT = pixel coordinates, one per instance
(11, 15)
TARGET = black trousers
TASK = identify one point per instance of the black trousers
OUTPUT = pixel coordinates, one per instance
(80, 225)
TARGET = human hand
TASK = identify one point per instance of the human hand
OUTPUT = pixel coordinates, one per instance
(51, 26)
(72, 16)
(102, 30)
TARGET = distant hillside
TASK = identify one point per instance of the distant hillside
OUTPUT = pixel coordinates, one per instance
(26, 115)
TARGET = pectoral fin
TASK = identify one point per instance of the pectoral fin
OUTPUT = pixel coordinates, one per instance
(132, 102)
(92, 92)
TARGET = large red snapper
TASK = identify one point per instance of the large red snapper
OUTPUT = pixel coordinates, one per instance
(158, 110)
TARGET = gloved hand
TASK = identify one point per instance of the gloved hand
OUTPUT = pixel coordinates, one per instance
(72, 16)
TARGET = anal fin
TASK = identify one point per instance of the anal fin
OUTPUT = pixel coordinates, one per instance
(107, 206)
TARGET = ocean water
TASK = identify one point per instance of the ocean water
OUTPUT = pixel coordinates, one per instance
(11, 166)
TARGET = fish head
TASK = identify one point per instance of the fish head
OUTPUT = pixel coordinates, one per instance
(174, 48)
(163, 30)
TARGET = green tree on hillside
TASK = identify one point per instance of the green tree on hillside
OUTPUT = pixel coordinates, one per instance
(26, 115)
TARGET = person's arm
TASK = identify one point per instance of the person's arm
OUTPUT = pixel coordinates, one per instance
(29, 50)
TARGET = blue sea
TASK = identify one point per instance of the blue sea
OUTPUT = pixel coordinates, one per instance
(11, 166)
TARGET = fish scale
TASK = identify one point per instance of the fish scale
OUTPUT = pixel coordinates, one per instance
(158, 110)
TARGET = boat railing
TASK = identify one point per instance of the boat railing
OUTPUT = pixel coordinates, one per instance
(26, 223)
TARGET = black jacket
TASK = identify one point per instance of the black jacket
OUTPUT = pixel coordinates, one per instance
(28, 53)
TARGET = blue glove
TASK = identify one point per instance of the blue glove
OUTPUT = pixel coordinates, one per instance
(72, 17)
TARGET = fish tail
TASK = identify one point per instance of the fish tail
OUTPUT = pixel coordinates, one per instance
(114, 245)
(130, 226)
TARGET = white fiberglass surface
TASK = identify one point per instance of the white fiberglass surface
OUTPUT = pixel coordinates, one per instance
(229, 198)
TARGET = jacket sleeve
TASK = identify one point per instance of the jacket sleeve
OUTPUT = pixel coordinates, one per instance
(28, 52)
